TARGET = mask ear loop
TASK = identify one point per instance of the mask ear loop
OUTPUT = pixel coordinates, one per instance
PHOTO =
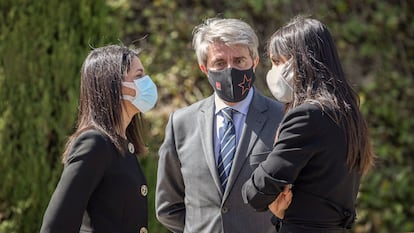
(128, 97)
(132, 86)
(288, 70)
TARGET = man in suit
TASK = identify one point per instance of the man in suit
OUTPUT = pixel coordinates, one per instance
(211, 147)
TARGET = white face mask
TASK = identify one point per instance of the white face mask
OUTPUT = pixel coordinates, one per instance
(145, 93)
(280, 81)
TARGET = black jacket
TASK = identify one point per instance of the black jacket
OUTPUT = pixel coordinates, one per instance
(99, 190)
(311, 154)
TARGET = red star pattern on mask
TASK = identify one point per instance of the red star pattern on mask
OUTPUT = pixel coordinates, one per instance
(246, 84)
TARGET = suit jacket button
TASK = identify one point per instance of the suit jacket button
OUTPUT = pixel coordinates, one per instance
(224, 210)
(144, 190)
(131, 148)
(143, 230)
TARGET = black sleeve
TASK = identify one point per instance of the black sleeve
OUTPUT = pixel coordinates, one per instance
(90, 155)
(297, 143)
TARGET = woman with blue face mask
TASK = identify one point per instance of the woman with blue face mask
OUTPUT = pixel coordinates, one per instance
(102, 187)
(322, 148)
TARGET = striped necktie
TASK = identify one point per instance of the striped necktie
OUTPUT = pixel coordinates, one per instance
(227, 147)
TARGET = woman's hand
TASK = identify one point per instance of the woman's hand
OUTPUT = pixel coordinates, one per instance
(282, 202)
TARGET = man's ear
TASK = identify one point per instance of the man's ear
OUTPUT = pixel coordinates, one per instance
(203, 69)
(255, 62)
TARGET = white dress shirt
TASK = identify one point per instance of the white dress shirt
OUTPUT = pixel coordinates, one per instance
(239, 117)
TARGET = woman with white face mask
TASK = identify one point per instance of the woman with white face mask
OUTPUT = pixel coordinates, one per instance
(280, 80)
(322, 148)
(102, 187)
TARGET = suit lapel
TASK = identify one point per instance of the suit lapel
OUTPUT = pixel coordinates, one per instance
(252, 127)
(205, 121)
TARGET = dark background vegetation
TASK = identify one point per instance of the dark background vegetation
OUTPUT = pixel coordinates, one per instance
(44, 42)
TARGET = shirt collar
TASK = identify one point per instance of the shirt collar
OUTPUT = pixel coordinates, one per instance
(241, 107)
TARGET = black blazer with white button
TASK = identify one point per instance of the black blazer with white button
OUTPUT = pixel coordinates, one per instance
(100, 190)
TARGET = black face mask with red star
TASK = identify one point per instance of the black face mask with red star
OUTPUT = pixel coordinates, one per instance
(230, 84)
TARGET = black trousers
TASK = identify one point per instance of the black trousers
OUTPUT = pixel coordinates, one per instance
(290, 228)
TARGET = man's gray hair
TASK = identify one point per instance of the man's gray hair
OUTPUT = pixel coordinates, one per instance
(227, 31)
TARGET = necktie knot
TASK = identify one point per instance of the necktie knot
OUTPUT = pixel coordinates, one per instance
(228, 113)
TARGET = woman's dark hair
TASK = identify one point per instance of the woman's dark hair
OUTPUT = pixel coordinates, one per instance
(320, 80)
(100, 105)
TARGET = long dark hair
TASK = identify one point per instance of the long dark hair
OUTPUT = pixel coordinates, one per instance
(100, 105)
(320, 79)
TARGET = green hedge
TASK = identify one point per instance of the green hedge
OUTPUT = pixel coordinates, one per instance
(42, 46)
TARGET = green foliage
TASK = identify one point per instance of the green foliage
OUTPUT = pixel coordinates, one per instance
(376, 42)
(43, 43)
(42, 46)
(387, 196)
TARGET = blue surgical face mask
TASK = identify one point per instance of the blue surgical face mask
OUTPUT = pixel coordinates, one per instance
(145, 93)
